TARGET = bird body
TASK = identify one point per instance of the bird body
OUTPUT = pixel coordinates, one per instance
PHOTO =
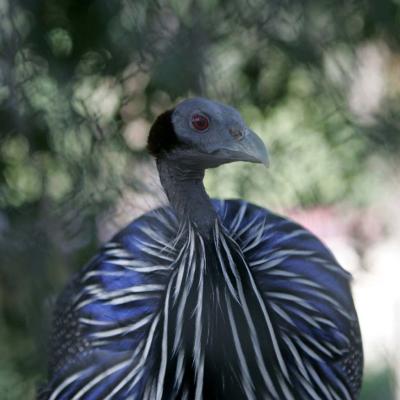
(206, 299)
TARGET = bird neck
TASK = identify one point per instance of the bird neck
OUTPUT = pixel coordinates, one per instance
(185, 190)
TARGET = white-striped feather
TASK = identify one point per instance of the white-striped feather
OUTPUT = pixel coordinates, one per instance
(253, 334)
(198, 349)
(64, 384)
(297, 357)
(164, 344)
(322, 385)
(98, 378)
(247, 382)
(130, 377)
(123, 330)
(264, 311)
(187, 268)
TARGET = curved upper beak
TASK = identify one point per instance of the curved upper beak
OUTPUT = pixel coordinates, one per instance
(253, 149)
(246, 147)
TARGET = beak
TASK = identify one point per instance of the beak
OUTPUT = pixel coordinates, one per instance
(253, 149)
(248, 148)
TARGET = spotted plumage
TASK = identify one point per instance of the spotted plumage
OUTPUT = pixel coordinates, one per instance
(234, 302)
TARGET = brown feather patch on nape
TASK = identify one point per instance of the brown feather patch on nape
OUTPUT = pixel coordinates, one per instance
(162, 136)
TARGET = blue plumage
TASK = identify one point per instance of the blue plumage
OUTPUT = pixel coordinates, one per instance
(259, 310)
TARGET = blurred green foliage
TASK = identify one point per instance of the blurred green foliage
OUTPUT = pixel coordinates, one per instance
(379, 385)
(81, 80)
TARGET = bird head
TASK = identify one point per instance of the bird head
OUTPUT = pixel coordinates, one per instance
(204, 133)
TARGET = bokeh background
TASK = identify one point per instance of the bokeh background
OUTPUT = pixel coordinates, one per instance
(80, 84)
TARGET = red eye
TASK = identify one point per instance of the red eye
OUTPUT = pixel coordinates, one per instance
(199, 122)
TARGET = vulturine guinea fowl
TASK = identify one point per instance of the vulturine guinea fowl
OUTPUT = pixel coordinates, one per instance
(206, 299)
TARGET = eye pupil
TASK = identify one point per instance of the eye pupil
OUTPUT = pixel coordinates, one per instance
(199, 122)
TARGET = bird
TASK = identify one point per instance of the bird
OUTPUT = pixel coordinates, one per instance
(205, 298)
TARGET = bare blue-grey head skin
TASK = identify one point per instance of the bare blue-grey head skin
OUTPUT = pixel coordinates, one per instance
(226, 139)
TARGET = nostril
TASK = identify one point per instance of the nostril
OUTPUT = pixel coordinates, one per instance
(236, 133)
